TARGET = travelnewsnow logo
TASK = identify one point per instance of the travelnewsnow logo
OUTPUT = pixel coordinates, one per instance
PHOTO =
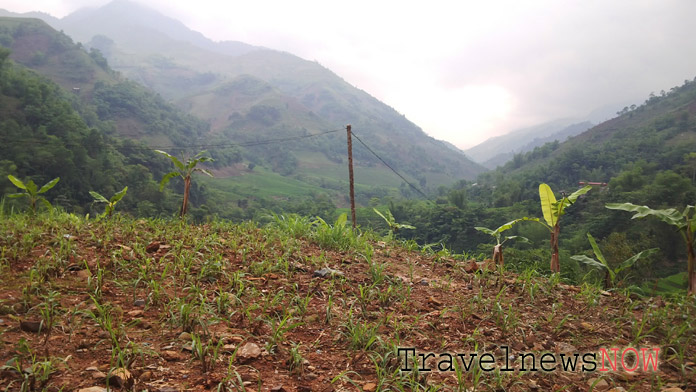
(629, 359)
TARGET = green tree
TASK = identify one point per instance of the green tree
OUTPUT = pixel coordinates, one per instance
(684, 221)
(185, 171)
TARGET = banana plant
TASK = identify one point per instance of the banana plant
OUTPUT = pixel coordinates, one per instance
(684, 221)
(110, 203)
(391, 222)
(497, 234)
(184, 171)
(602, 264)
(32, 192)
(553, 210)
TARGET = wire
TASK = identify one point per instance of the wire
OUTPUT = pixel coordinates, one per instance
(387, 165)
(177, 148)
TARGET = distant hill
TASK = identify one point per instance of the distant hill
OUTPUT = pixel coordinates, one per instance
(248, 93)
(645, 140)
(498, 150)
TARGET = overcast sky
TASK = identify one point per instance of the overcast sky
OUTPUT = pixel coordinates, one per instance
(463, 70)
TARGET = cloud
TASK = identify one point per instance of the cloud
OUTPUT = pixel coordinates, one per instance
(465, 70)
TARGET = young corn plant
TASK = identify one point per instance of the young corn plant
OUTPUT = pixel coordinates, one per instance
(610, 273)
(497, 234)
(32, 192)
(110, 203)
(684, 221)
(185, 171)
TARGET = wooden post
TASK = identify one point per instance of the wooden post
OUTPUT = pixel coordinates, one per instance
(350, 176)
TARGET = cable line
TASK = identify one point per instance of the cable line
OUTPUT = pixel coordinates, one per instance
(178, 148)
(387, 165)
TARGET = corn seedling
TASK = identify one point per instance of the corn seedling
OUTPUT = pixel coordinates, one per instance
(296, 361)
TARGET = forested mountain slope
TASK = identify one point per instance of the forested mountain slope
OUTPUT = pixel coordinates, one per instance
(44, 136)
(248, 92)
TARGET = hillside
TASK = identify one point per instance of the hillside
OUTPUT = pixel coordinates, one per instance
(226, 82)
(659, 133)
(46, 132)
(159, 305)
(498, 150)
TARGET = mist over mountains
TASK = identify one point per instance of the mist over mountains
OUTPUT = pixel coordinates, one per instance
(250, 93)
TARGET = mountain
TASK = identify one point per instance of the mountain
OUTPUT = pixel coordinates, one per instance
(49, 132)
(642, 152)
(500, 149)
(248, 94)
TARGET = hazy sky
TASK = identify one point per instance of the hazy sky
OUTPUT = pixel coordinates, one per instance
(463, 70)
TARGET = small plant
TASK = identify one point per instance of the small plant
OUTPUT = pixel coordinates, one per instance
(110, 203)
(394, 227)
(279, 327)
(553, 210)
(185, 171)
(32, 373)
(49, 312)
(497, 233)
(32, 192)
(296, 361)
(684, 221)
(610, 273)
(206, 353)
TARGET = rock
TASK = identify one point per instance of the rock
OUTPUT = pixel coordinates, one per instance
(92, 389)
(98, 376)
(597, 383)
(326, 271)
(470, 266)
(188, 347)
(369, 387)
(278, 388)
(170, 356)
(30, 326)
(564, 347)
(136, 313)
(434, 301)
(92, 369)
(139, 302)
(121, 378)
(152, 247)
(185, 336)
(424, 282)
(228, 348)
(249, 351)
(168, 388)
(146, 376)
